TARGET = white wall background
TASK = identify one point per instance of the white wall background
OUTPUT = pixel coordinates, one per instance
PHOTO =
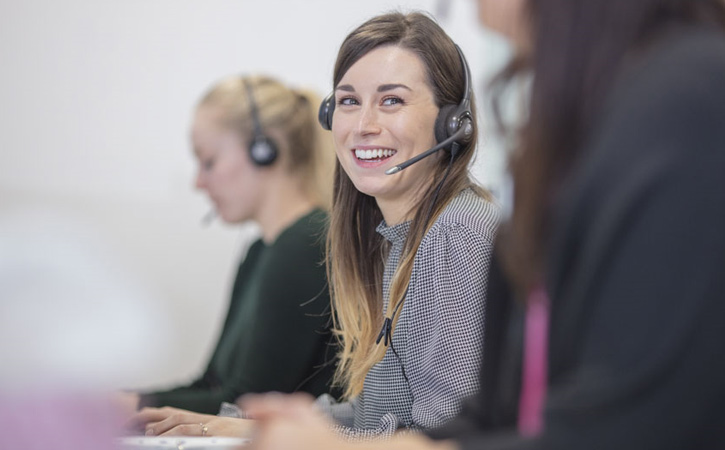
(95, 102)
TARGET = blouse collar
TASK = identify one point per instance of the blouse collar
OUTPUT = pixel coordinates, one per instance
(394, 234)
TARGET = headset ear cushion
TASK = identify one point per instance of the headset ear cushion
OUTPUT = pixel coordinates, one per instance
(441, 129)
(327, 108)
(262, 150)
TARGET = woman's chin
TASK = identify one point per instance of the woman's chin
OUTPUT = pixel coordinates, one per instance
(373, 186)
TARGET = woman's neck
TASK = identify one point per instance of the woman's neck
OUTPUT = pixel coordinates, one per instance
(280, 210)
(396, 212)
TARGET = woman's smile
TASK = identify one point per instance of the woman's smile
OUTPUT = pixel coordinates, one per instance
(372, 156)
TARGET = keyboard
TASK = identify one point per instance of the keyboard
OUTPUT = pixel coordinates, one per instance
(181, 443)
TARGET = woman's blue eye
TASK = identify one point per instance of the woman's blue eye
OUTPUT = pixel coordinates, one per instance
(208, 164)
(347, 101)
(389, 101)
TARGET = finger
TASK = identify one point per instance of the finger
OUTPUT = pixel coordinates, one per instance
(185, 429)
(146, 415)
(151, 427)
(176, 419)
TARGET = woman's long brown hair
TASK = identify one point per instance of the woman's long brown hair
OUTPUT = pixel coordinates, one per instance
(355, 250)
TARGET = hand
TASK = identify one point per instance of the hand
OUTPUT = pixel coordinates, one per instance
(291, 422)
(169, 421)
(286, 422)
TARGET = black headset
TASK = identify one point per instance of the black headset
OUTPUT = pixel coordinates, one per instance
(450, 117)
(262, 150)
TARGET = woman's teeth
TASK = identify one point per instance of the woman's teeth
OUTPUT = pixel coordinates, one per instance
(377, 153)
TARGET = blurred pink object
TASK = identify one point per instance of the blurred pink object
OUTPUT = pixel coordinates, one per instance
(535, 369)
(59, 421)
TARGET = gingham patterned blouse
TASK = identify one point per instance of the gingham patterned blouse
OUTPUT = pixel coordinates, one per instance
(439, 334)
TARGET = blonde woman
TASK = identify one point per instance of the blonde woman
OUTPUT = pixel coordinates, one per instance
(262, 158)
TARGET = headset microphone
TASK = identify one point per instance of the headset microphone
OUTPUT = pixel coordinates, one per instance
(462, 134)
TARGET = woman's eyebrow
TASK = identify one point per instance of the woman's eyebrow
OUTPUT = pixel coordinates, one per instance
(390, 87)
(381, 88)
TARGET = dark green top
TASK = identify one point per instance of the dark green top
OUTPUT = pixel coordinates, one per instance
(276, 335)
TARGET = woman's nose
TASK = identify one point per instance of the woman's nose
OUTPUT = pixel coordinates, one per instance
(368, 123)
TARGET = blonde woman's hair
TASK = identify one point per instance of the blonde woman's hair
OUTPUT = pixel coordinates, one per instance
(355, 251)
(288, 116)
